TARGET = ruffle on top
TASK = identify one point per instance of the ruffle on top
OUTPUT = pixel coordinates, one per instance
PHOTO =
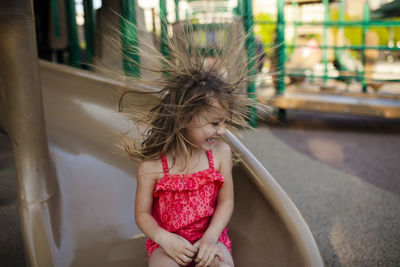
(188, 182)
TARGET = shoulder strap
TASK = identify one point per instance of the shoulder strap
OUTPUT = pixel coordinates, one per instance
(164, 164)
(210, 159)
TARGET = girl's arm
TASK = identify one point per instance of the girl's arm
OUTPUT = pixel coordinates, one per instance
(223, 212)
(174, 245)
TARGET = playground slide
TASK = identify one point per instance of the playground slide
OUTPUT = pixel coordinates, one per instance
(88, 219)
(76, 203)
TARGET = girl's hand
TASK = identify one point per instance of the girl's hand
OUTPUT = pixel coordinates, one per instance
(179, 249)
(208, 250)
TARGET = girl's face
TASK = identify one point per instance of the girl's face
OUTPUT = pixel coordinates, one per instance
(206, 128)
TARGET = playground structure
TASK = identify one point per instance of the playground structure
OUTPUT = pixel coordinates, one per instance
(323, 97)
(326, 98)
(75, 189)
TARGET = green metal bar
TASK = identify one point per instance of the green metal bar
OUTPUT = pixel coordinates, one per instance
(73, 41)
(352, 47)
(325, 39)
(248, 19)
(176, 10)
(341, 19)
(164, 49)
(280, 55)
(56, 17)
(238, 9)
(295, 10)
(90, 26)
(344, 76)
(280, 48)
(364, 32)
(129, 38)
(374, 23)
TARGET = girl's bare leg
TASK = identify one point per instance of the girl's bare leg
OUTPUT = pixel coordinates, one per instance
(160, 258)
(228, 260)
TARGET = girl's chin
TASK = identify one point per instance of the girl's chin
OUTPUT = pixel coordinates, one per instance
(202, 147)
(207, 145)
(210, 143)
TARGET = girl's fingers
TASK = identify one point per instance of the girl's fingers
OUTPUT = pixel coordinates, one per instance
(193, 248)
(199, 256)
(189, 253)
(204, 259)
(210, 259)
(185, 259)
(179, 261)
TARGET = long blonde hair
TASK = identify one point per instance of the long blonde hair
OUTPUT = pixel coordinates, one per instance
(187, 80)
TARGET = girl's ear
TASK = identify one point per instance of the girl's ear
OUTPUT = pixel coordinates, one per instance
(181, 124)
(183, 121)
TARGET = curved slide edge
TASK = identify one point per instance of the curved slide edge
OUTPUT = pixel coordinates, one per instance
(280, 201)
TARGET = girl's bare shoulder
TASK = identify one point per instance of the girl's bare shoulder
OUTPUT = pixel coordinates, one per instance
(221, 152)
(150, 169)
(222, 148)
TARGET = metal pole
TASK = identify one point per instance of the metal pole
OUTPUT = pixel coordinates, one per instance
(340, 36)
(280, 54)
(364, 32)
(280, 51)
(56, 17)
(325, 39)
(295, 11)
(73, 40)
(248, 21)
(341, 20)
(90, 26)
(164, 49)
(176, 10)
(238, 10)
(129, 38)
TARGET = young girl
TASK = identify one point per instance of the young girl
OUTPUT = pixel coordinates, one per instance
(184, 197)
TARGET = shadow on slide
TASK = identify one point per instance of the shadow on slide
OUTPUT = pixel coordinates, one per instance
(88, 217)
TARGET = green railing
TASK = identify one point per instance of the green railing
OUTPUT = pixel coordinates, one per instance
(283, 46)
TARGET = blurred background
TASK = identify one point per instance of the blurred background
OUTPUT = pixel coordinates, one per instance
(312, 55)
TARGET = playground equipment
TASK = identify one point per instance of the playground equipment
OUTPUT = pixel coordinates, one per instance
(76, 191)
(359, 103)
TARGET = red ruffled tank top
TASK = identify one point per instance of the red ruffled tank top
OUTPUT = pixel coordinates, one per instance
(184, 204)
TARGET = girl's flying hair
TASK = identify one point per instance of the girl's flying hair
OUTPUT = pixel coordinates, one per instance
(176, 87)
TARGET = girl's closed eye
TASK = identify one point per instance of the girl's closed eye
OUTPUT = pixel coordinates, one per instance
(218, 122)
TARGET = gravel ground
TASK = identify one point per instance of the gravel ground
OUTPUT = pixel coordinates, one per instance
(343, 174)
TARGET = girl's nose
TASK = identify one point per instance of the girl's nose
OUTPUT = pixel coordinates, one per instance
(221, 130)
